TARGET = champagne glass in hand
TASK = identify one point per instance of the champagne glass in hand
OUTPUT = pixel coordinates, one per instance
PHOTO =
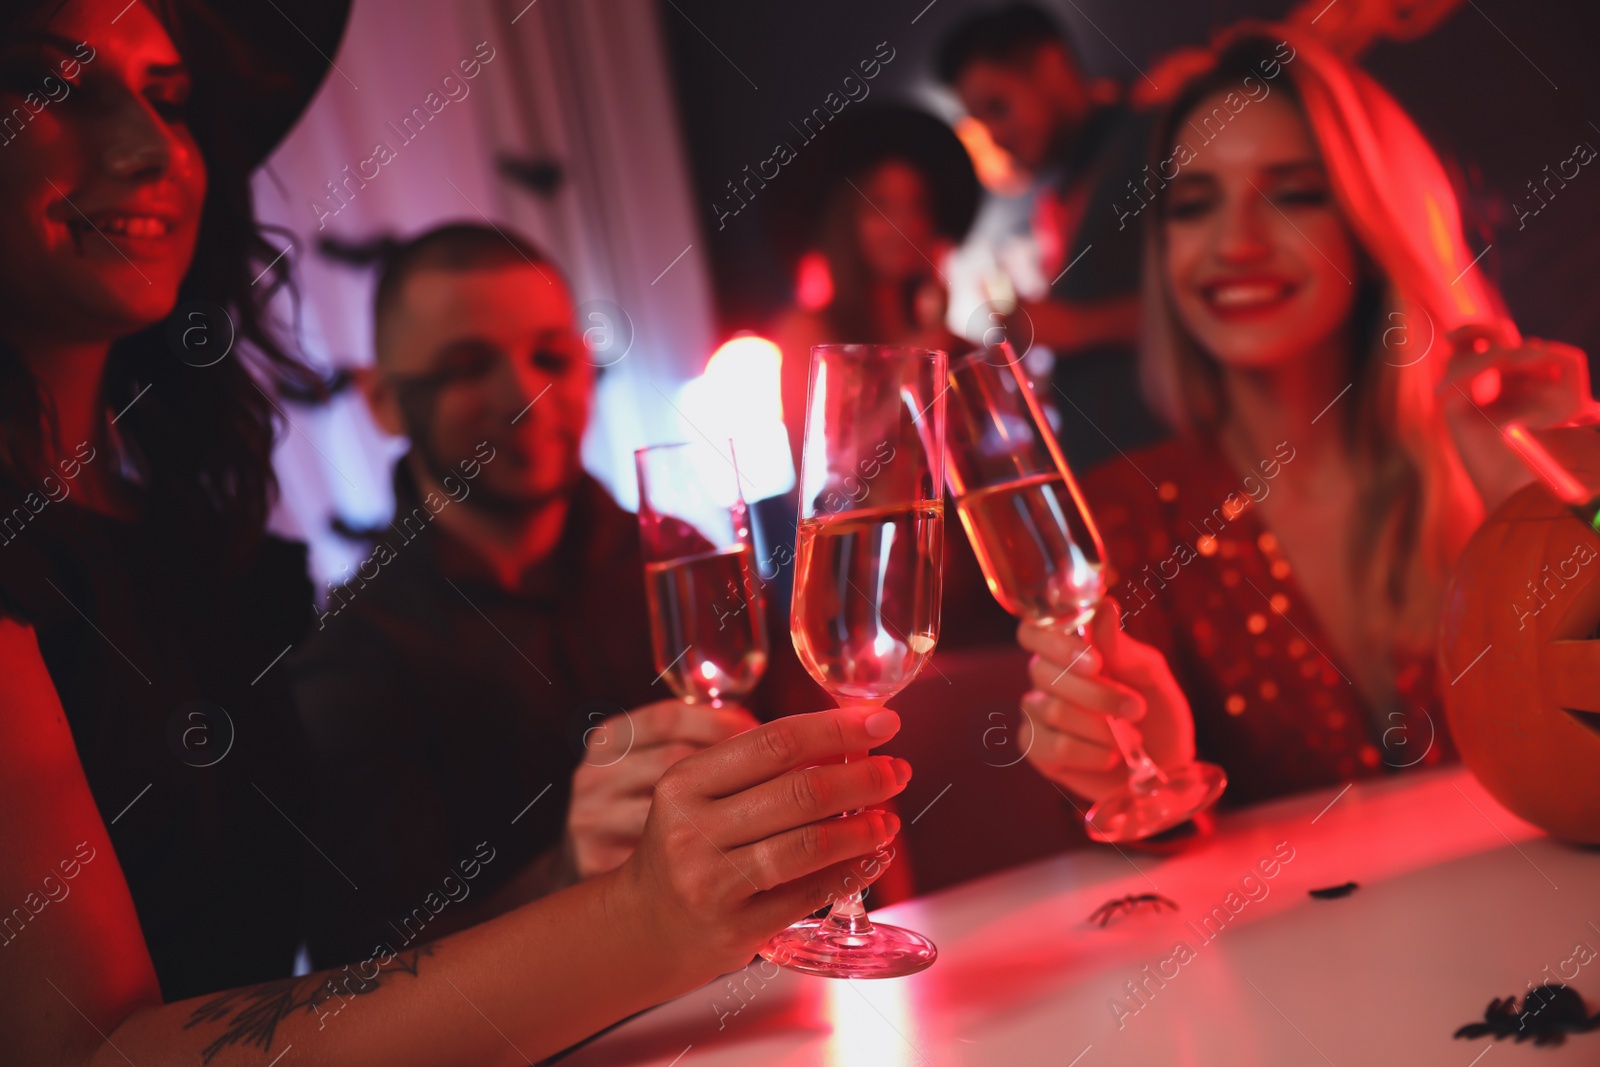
(867, 581)
(708, 624)
(1043, 560)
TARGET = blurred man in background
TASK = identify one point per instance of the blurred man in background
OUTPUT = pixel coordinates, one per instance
(1016, 73)
(456, 685)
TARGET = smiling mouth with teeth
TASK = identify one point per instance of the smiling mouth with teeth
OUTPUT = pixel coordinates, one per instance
(133, 226)
(1247, 296)
(127, 225)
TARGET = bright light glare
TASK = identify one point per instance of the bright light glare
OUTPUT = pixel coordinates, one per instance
(873, 1025)
(740, 396)
(996, 169)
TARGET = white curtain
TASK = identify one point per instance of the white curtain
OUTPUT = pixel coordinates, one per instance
(400, 138)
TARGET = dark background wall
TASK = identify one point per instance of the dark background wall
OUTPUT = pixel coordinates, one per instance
(1502, 87)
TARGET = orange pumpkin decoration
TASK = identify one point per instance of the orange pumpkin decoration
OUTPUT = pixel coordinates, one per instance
(1521, 639)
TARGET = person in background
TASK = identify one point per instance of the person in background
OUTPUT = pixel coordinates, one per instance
(463, 676)
(1338, 368)
(1015, 72)
(880, 206)
(872, 215)
(151, 774)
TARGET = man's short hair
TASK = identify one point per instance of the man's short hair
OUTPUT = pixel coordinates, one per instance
(456, 246)
(1003, 35)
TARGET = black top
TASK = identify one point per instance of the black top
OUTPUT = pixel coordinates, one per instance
(165, 668)
(441, 706)
(1096, 389)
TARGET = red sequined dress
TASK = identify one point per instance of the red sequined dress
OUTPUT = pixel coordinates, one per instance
(1203, 579)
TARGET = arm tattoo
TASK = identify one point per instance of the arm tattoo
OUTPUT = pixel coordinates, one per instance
(251, 1016)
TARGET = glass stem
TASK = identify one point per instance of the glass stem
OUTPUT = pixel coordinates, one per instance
(848, 914)
(1144, 774)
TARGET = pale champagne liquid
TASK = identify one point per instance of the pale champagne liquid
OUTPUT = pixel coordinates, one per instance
(707, 624)
(1037, 552)
(866, 597)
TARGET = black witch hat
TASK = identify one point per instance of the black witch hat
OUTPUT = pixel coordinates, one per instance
(259, 62)
(861, 138)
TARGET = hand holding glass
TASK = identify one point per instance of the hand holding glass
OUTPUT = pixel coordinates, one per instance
(1042, 557)
(867, 583)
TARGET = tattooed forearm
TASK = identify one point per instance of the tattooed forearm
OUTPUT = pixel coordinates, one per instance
(251, 1016)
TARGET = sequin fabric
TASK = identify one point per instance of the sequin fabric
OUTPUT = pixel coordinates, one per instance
(1200, 577)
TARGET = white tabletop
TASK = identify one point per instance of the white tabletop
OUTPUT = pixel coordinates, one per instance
(1459, 902)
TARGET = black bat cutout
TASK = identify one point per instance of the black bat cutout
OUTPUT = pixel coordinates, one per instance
(1547, 1016)
(1334, 892)
(1111, 908)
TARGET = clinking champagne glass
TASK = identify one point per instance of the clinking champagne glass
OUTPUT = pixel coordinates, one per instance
(867, 583)
(708, 624)
(1044, 562)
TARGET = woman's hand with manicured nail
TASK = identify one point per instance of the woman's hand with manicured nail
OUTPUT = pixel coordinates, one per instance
(1493, 378)
(1078, 684)
(746, 837)
(882, 724)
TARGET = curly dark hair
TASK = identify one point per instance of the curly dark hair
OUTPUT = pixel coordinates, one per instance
(201, 438)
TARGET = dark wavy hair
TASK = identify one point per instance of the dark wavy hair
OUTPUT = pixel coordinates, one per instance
(201, 437)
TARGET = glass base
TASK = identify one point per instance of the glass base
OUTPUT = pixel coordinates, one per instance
(830, 949)
(1130, 814)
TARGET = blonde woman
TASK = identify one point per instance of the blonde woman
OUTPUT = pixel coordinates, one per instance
(1336, 365)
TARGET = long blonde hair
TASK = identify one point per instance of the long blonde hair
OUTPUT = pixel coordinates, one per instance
(1417, 504)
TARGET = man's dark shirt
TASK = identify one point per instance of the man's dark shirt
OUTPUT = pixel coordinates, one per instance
(440, 706)
(1096, 388)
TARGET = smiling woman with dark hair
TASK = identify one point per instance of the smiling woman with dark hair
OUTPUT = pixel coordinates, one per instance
(112, 250)
(148, 578)
(151, 776)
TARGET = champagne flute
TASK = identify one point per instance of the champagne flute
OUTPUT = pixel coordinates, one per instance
(867, 583)
(708, 625)
(1043, 560)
